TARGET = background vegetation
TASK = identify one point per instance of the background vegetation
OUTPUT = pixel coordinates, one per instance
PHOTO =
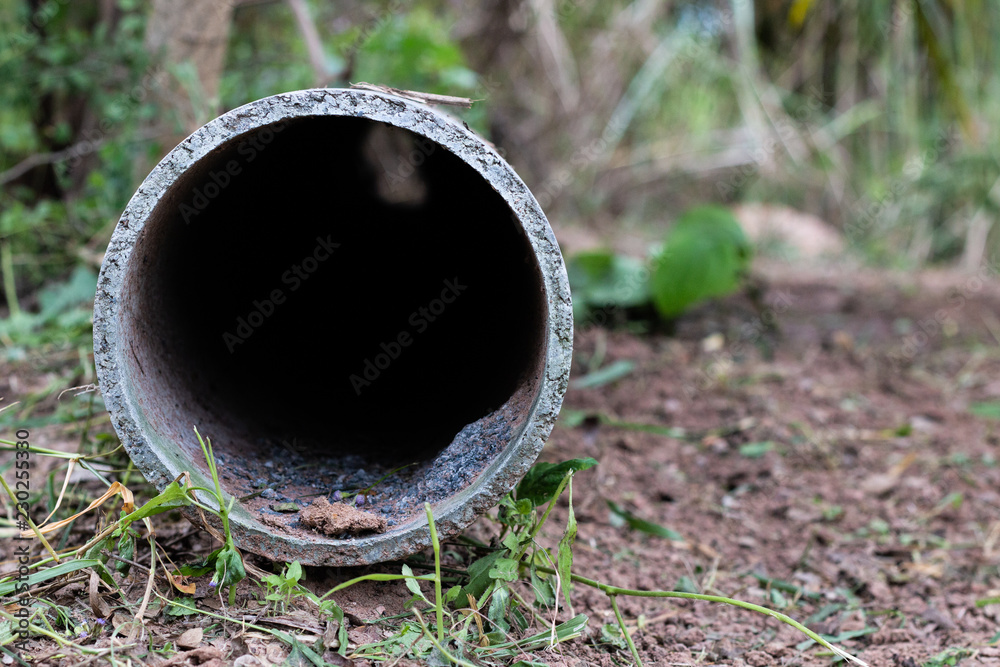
(876, 116)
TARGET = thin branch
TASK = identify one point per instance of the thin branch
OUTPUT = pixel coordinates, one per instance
(314, 45)
(80, 148)
(38, 159)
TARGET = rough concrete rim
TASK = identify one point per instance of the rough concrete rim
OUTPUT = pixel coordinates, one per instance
(457, 511)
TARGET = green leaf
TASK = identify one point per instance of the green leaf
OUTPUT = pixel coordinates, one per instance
(294, 572)
(497, 612)
(643, 525)
(603, 376)
(777, 599)
(504, 569)
(412, 585)
(543, 480)
(686, 585)
(545, 594)
(204, 567)
(172, 497)
(836, 639)
(77, 290)
(788, 587)
(571, 629)
(229, 570)
(564, 558)
(602, 279)
(126, 550)
(35, 578)
(705, 255)
(988, 410)
(479, 577)
(572, 418)
(755, 450)
(611, 633)
(184, 606)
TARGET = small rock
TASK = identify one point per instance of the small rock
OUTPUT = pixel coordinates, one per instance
(191, 638)
(713, 343)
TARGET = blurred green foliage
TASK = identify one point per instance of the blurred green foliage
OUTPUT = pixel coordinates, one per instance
(705, 255)
(876, 116)
(72, 92)
(600, 278)
(75, 97)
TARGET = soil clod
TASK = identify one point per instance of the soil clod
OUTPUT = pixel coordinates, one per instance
(338, 518)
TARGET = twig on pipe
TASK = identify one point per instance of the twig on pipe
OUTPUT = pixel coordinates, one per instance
(417, 96)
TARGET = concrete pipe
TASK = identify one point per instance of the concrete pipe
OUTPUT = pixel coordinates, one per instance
(347, 291)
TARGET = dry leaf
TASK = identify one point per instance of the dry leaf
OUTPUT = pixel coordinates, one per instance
(100, 608)
(128, 506)
(177, 581)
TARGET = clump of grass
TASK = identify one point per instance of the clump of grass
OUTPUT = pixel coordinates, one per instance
(481, 618)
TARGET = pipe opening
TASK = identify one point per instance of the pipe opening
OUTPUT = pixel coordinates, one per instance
(330, 298)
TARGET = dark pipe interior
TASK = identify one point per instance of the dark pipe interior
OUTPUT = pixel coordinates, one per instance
(413, 227)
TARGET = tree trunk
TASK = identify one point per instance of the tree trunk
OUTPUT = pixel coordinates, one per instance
(189, 37)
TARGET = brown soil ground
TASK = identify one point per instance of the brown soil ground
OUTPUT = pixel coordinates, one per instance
(878, 497)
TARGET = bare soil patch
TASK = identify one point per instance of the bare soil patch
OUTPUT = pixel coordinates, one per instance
(831, 468)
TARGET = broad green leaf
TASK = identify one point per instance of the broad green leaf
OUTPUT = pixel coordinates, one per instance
(202, 568)
(706, 254)
(229, 570)
(78, 289)
(603, 279)
(505, 569)
(479, 577)
(452, 594)
(181, 607)
(497, 612)
(611, 633)
(172, 497)
(294, 572)
(545, 594)
(543, 480)
(644, 526)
